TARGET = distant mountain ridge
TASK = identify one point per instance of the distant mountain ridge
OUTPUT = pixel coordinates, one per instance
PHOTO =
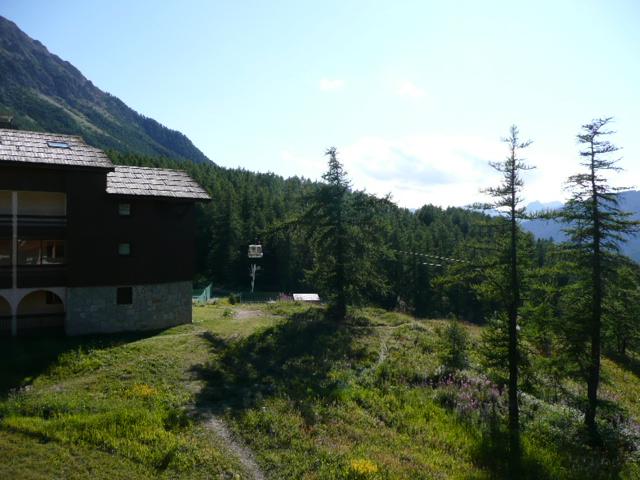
(629, 201)
(45, 93)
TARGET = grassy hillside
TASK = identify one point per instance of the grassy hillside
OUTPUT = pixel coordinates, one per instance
(46, 93)
(313, 399)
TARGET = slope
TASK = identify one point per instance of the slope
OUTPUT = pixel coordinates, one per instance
(629, 201)
(43, 92)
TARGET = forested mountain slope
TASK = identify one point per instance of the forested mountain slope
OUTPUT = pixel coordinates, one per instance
(629, 201)
(43, 92)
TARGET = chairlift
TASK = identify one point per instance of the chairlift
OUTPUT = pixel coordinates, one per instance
(255, 251)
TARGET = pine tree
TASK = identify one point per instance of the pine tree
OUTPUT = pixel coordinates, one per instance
(595, 225)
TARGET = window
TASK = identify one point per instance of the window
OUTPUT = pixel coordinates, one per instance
(124, 295)
(124, 209)
(5, 202)
(124, 249)
(42, 204)
(41, 252)
(58, 144)
(52, 252)
(29, 252)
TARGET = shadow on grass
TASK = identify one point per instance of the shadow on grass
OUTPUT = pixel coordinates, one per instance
(565, 453)
(492, 454)
(24, 358)
(292, 359)
(630, 362)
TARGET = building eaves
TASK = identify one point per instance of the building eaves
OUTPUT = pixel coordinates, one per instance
(154, 182)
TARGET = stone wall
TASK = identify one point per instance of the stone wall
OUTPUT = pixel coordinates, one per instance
(95, 310)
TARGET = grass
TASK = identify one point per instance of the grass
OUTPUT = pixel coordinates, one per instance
(314, 399)
(122, 400)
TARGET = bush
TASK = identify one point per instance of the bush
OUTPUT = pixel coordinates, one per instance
(455, 345)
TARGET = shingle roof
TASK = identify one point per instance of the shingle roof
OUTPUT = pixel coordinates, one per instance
(33, 147)
(154, 182)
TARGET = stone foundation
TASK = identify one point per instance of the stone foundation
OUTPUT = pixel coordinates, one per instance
(95, 310)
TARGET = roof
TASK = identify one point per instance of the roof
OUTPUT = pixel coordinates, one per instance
(306, 297)
(154, 182)
(36, 147)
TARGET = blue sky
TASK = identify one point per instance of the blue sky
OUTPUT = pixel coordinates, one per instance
(414, 94)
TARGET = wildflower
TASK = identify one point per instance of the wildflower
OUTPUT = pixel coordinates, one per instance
(363, 466)
(142, 390)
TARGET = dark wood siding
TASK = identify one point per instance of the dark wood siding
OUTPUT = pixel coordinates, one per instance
(160, 231)
(161, 235)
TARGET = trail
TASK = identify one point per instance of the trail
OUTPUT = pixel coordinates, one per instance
(244, 454)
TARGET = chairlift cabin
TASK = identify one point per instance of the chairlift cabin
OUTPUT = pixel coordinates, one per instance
(255, 251)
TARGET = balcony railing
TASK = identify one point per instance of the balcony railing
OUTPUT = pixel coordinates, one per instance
(57, 221)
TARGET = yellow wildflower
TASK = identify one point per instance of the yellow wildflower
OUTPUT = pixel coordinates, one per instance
(142, 390)
(363, 466)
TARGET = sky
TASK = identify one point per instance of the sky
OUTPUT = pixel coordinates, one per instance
(415, 95)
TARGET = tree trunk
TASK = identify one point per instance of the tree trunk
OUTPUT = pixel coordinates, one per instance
(594, 368)
(596, 317)
(340, 308)
(514, 420)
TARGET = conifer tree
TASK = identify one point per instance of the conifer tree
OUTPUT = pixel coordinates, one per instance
(595, 225)
(508, 202)
(622, 309)
(345, 229)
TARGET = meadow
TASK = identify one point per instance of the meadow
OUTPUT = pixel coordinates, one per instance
(373, 397)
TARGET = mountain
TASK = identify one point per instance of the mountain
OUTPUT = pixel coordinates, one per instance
(536, 206)
(629, 201)
(43, 92)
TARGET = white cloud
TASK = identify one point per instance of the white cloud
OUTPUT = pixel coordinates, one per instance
(409, 89)
(293, 163)
(327, 84)
(445, 170)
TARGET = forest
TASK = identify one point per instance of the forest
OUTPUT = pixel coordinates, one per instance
(551, 311)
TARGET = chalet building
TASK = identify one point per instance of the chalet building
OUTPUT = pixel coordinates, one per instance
(87, 246)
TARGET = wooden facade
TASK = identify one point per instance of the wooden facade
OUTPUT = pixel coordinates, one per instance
(72, 230)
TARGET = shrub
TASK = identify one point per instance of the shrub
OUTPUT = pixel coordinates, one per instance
(455, 345)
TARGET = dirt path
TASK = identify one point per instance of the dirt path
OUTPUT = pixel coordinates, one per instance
(242, 313)
(246, 457)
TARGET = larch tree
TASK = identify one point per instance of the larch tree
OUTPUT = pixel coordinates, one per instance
(596, 226)
(346, 232)
(507, 200)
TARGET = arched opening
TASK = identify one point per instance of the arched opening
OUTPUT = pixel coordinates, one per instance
(5, 317)
(40, 311)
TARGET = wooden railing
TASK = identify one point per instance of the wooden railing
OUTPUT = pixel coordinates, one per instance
(57, 221)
